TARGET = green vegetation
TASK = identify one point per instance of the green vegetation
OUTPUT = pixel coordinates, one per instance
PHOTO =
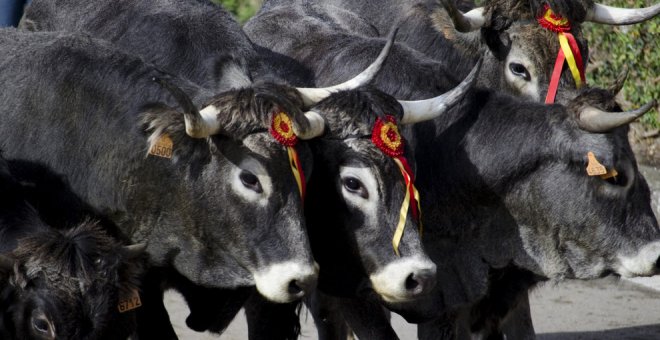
(242, 9)
(612, 48)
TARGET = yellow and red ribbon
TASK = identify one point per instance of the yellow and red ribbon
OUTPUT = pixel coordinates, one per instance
(569, 52)
(281, 129)
(386, 137)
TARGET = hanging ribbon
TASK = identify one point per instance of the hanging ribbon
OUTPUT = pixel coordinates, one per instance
(569, 51)
(281, 129)
(387, 138)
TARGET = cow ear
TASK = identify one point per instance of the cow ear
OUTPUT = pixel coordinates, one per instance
(498, 42)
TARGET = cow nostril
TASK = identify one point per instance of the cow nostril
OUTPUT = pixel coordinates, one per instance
(411, 283)
(295, 287)
(657, 265)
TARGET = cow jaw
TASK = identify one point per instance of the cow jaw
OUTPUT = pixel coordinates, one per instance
(286, 281)
(643, 263)
(404, 279)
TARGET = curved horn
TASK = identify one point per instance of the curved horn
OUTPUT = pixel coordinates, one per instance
(468, 22)
(134, 250)
(621, 16)
(422, 110)
(312, 96)
(595, 120)
(316, 126)
(199, 124)
(619, 82)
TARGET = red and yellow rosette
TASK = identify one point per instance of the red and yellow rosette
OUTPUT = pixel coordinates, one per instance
(569, 51)
(386, 137)
(281, 129)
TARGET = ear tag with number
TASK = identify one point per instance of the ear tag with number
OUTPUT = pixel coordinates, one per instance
(163, 147)
(129, 302)
(594, 168)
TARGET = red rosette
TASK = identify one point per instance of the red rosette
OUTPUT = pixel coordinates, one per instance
(553, 21)
(281, 128)
(386, 136)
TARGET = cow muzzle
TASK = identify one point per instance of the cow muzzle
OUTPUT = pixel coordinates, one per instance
(404, 279)
(286, 281)
(646, 262)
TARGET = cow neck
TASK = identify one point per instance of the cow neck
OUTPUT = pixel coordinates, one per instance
(569, 52)
(281, 128)
(385, 135)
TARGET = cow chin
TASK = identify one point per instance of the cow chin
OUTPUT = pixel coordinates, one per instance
(286, 281)
(643, 263)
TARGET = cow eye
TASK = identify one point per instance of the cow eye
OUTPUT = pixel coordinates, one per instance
(250, 181)
(519, 71)
(40, 324)
(353, 185)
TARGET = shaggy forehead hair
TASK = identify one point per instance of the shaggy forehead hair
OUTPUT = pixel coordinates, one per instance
(72, 253)
(242, 111)
(353, 113)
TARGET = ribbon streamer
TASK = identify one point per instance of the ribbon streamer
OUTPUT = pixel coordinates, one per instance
(298, 174)
(416, 208)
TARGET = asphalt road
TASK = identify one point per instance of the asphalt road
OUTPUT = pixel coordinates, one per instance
(606, 309)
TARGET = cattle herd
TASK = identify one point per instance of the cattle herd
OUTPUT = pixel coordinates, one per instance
(430, 158)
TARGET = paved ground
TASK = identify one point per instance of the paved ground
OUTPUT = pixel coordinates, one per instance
(606, 309)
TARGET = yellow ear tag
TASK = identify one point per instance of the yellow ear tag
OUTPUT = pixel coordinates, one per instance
(130, 302)
(594, 168)
(163, 147)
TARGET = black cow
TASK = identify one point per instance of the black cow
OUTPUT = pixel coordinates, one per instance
(71, 283)
(228, 192)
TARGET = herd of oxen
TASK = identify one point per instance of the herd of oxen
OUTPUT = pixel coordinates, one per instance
(428, 158)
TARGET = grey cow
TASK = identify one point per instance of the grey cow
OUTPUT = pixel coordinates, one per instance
(486, 174)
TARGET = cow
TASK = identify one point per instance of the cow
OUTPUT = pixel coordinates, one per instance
(521, 53)
(457, 194)
(71, 283)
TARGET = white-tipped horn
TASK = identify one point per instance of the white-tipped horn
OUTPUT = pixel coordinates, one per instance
(621, 16)
(595, 120)
(203, 125)
(312, 96)
(465, 22)
(316, 126)
(422, 110)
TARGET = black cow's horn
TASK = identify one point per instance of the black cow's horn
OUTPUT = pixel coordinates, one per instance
(312, 96)
(621, 16)
(134, 250)
(422, 110)
(316, 126)
(595, 120)
(465, 22)
(199, 124)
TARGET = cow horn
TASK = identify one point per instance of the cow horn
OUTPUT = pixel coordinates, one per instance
(621, 16)
(134, 250)
(312, 96)
(422, 110)
(199, 124)
(619, 82)
(316, 126)
(465, 22)
(595, 120)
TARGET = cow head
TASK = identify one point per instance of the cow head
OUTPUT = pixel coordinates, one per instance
(254, 166)
(570, 223)
(522, 52)
(360, 198)
(68, 285)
